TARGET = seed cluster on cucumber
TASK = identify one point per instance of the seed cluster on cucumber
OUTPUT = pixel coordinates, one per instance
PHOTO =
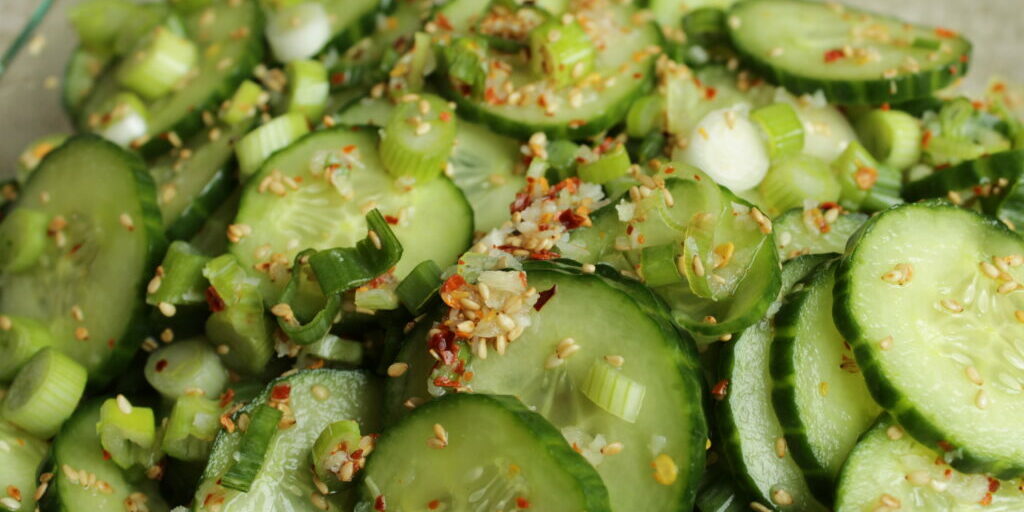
(474, 255)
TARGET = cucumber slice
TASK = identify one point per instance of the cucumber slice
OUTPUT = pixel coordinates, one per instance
(669, 425)
(23, 457)
(818, 393)
(433, 220)
(889, 469)
(314, 400)
(485, 165)
(934, 335)
(522, 462)
(814, 231)
(193, 181)
(83, 68)
(750, 430)
(623, 70)
(98, 262)
(800, 45)
(228, 37)
(992, 179)
(85, 480)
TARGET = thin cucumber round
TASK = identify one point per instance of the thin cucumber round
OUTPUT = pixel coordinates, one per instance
(853, 56)
(927, 294)
(752, 437)
(622, 73)
(314, 399)
(818, 392)
(814, 231)
(87, 286)
(83, 479)
(888, 469)
(228, 37)
(432, 220)
(604, 319)
(488, 452)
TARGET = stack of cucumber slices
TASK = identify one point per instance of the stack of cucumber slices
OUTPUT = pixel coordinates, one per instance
(503, 255)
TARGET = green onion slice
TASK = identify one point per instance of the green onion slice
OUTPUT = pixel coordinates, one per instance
(421, 285)
(782, 129)
(126, 432)
(253, 448)
(612, 391)
(44, 393)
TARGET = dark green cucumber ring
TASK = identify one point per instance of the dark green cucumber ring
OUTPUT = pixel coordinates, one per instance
(195, 214)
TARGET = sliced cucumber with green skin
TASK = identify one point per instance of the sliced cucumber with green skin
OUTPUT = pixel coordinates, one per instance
(818, 392)
(78, 459)
(670, 422)
(351, 20)
(719, 492)
(521, 462)
(799, 231)
(98, 262)
(211, 239)
(935, 336)
(485, 165)
(190, 188)
(83, 68)
(800, 45)
(229, 40)
(888, 468)
(363, 63)
(992, 179)
(601, 106)
(752, 437)
(433, 220)
(316, 399)
(23, 457)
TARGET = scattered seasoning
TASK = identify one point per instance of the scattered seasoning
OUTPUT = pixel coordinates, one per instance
(665, 470)
(719, 390)
(544, 297)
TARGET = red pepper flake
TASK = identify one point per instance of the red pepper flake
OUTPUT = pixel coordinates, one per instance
(214, 300)
(521, 202)
(111, 342)
(953, 70)
(828, 205)
(865, 177)
(160, 365)
(443, 22)
(944, 32)
(543, 255)
(338, 78)
(570, 219)
(998, 87)
(978, 105)
(75, 248)
(926, 138)
(545, 296)
(444, 116)
(391, 219)
(348, 149)
(670, 170)
(453, 283)
(433, 505)
(719, 391)
(886, 107)
(948, 473)
(629, 229)
(964, 58)
(987, 499)
(638, 76)
(522, 503)
(710, 93)
(696, 177)
(490, 96)
(945, 446)
(106, 455)
(280, 392)
(993, 484)
(378, 504)
(834, 55)
(226, 397)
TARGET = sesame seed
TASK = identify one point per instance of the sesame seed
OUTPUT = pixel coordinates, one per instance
(665, 470)
(759, 507)
(763, 222)
(375, 239)
(886, 343)
(823, 388)
(615, 360)
(725, 337)
(1008, 287)
(81, 333)
(776, 52)
(919, 478)
(681, 265)
(167, 309)
(167, 335)
(469, 304)
(952, 305)
(422, 128)
(710, 320)
(780, 447)
(894, 432)
(782, 497)
(5, 323)
(154, 285)
(40, 491)
(698, 266)
(890, 501)
(318, 499)
(123, 404)
(989, 269)
(284, 311)
(588, 268)
(981, 399)
(412, 403)
(397, 369)
(612, 448)
(70, 473)
(223, 349)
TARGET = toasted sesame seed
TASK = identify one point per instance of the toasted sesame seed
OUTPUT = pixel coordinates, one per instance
(397, 369)
(725, 337)
(780, 447)
(782, 497)
(40, 491)
(588, 268)
(757, 507)
(154, 285)
(710, 320)
(615, 360)
(886, 343)
(412, 402)
(890, 501)
(223, 349)
(81, 333)
(167, 309)
(318, 499)
(894, 432)
(469, 304)
(167, 335)
(375, 239)
(665, 470)
(1008, 287)
(319, 392)
(5, 323)
(981, 399)
(466, 326)
(989, 269)
(763, 222)
(698, 266)
(952, 305)
(776, 52)
(123, 404)
(612, 448)
(919, 478)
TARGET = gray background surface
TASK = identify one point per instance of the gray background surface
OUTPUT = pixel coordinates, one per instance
(29, 92)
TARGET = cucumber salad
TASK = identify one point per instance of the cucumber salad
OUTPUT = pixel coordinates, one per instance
(505, 255)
